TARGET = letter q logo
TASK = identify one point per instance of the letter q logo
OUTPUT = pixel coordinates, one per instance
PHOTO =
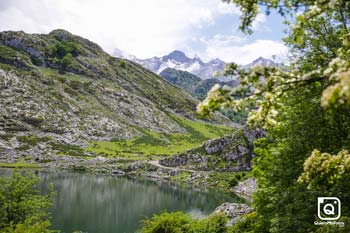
(328, 208)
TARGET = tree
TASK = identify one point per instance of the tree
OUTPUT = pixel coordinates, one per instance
(22, 208)
(304, 107)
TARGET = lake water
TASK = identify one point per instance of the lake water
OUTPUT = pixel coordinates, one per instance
(106, 204)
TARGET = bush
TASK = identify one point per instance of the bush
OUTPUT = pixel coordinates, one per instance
(233, 182)
(66, 60)
(22, 208)
(179, 222)
(247, 224)
(63, 48)
(176, 222)
(215, 223)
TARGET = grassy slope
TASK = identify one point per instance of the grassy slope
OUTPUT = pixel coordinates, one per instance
(160, 144)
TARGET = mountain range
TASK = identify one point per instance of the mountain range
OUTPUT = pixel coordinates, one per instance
(180, 61)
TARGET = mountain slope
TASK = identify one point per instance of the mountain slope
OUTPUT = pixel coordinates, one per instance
(179, 78)
(191, 83)
(66, 90)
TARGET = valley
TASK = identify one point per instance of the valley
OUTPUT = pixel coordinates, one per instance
(69, 105)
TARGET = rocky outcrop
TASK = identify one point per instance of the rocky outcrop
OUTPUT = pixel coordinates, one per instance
(230, 153)
(233, 210)
(245, 189)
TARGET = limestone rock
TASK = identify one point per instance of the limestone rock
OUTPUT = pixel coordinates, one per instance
(229, 153)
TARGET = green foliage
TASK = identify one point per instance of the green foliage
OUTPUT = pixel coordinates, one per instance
(179, 222)
(62, 48)
(123, 64)
(22, 209)
(327, 173)
(303, 107)
(246, 224)
(66, 60)
(65, 51)
(215, 223)
(176, 222)
(335, 229)
(233, 182)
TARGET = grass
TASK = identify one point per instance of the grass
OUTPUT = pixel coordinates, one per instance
(19, 164)
(160, 144)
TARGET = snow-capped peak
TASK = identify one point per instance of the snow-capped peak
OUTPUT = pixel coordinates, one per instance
(177, 56)
(180, 61)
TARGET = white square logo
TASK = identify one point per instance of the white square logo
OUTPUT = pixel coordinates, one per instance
(328, 208)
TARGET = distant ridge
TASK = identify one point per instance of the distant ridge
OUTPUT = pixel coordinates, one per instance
(180, 61)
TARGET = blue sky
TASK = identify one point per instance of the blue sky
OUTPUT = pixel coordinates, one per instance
(207, 28)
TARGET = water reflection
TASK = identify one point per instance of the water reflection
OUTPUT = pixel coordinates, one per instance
(105, 204)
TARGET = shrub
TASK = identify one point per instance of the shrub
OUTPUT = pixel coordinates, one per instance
(63, 48)
(123, 64)
(66, 60)
(215, 223)
(179, 222)
(176, 222)
(247, 224)
(22, 208)
(233, 182)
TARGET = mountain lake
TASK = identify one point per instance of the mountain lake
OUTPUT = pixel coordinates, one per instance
(92, 203)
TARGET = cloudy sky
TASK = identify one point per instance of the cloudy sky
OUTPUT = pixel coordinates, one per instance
(147, 28)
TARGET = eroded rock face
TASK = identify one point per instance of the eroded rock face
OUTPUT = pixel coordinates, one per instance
(233, 210)
(230, 153)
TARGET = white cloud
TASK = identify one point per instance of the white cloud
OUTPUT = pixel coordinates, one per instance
(144, 28)
(242, 52)
(258, 24)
